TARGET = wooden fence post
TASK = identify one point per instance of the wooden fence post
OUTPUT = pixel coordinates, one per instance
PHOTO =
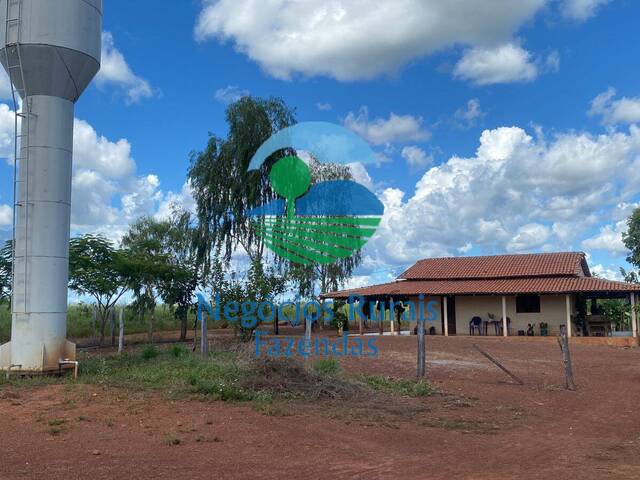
(121, 336)
(307, 337)
(563, 341)
(421, 348)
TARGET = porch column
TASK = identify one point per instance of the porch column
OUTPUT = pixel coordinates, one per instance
(446, 316)
(505, 324)
(634, 320)
(569, 329)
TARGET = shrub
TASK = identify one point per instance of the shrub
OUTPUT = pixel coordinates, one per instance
(149, 352)
(178, 351)
(327, 366)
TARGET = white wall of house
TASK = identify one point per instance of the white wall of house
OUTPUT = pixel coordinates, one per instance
(552, 310)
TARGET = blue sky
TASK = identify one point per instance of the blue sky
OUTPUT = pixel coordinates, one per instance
(502, 126)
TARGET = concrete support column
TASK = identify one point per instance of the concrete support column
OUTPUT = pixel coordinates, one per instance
(445, 305)
(569, 328)
(634, 320)
(505, 324)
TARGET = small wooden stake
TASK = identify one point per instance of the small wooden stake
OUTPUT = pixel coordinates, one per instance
(121, 336)
(563, 341)
(498, 364)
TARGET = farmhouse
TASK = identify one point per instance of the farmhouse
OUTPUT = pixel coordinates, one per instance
(510, 295)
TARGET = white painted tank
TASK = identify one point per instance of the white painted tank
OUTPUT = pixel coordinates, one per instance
(51, 50)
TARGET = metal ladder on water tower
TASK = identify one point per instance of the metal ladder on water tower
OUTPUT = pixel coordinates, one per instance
(13, 58)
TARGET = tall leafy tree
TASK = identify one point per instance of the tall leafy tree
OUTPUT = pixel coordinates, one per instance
(5, 272)
(178, 287)
(631, 238)
(146, 246)
(99, 270)
(223, 189)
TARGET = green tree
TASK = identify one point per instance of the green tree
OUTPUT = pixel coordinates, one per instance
(177, 288)
(311, 280)
(631, 238)
(5, 272)
(290, 177)
(629, 276)
(150, 261)
(257, 286)
(99, 270)
(223, 189)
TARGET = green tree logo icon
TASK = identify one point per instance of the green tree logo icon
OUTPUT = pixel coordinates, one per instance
(290, 178)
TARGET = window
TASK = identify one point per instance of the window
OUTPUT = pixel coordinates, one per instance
(528, 304)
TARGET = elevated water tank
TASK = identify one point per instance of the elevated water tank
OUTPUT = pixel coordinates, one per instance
(51, 51)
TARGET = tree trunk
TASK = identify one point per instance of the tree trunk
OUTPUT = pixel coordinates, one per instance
(184, 324)
(112, 319)
(151, 321)
(103, 325)
(94, 322)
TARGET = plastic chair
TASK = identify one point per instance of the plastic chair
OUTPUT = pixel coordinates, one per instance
(475, 324)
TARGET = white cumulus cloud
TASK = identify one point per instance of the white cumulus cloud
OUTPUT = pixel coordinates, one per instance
(507, 63)
(355, 39)
(116, 71)
(614, 111)
(581, 10)
(6, 216)
(230, 94)
(517, 193)
(417, 157)
(470, 114)
(380, 131)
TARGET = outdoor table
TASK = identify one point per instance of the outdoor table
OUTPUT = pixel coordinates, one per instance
(496, 326)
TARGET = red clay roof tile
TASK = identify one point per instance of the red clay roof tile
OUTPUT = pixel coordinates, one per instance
(499, 266)
(504, 286)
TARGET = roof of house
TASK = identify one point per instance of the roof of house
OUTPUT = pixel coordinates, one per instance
(499, 266)
(546, 273)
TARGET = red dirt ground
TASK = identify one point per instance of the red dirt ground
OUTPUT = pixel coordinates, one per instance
(487, 428)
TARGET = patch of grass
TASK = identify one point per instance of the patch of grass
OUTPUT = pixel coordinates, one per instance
(409, 388)
(327, 366)
(56, 426)
(56, 422)
(178, 351)
(172, 440)
(56, 430)
(109, 421)
(149, 352)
